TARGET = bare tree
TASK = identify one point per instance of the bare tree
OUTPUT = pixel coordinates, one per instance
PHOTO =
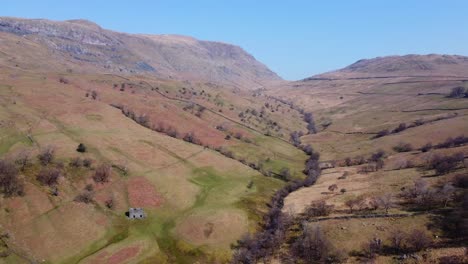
(10, 185)
(48, 177)
(446, 193)
(397, 238)
(372, 247)
(47, 155)
(457, 92)
(352, 203)
(102, 173)
(419, 240)
(386, 202)
(313, 246)
(23, 159)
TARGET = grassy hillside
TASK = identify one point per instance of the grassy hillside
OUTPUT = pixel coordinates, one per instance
(358, 118)
(198, 201)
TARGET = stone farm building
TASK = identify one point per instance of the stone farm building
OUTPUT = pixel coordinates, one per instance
(136, 213)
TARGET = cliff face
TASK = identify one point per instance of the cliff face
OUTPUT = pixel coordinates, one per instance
(84, 43)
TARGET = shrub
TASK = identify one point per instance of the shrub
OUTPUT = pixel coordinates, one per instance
(102, 173)
(461, 180)
(47, 155)
(285, 174)
(109, 203)
(76, 162)
(372, 247)
(348, 161)
(426, 147)
(81, 148)
(308, 149)
(190, 137)
(48, 177)
(10, 185)
(403, 147)
(94, 95)
(84, 197)
(382, 133)
(445, 164)
(313, 246)
(87, 162)
(457, 92)
(332, 187)
(401, 127)
(379, 154)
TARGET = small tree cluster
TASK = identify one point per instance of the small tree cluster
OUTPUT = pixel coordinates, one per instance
(445, 164)
(414, 241)
(453, 142)
(426, 196)
(385, 202)
(168, 130)
(251, 249)
(314, 247)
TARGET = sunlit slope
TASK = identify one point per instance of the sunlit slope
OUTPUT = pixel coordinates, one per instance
(197, 200)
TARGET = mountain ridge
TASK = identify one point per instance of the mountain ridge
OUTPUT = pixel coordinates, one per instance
(166, 56)
(411, 65)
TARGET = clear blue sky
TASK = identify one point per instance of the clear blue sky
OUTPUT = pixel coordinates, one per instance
(296, 39)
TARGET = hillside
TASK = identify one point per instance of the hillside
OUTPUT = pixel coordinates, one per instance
(229, 163)
(386, 127)
(404, 66)
(84, 46)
